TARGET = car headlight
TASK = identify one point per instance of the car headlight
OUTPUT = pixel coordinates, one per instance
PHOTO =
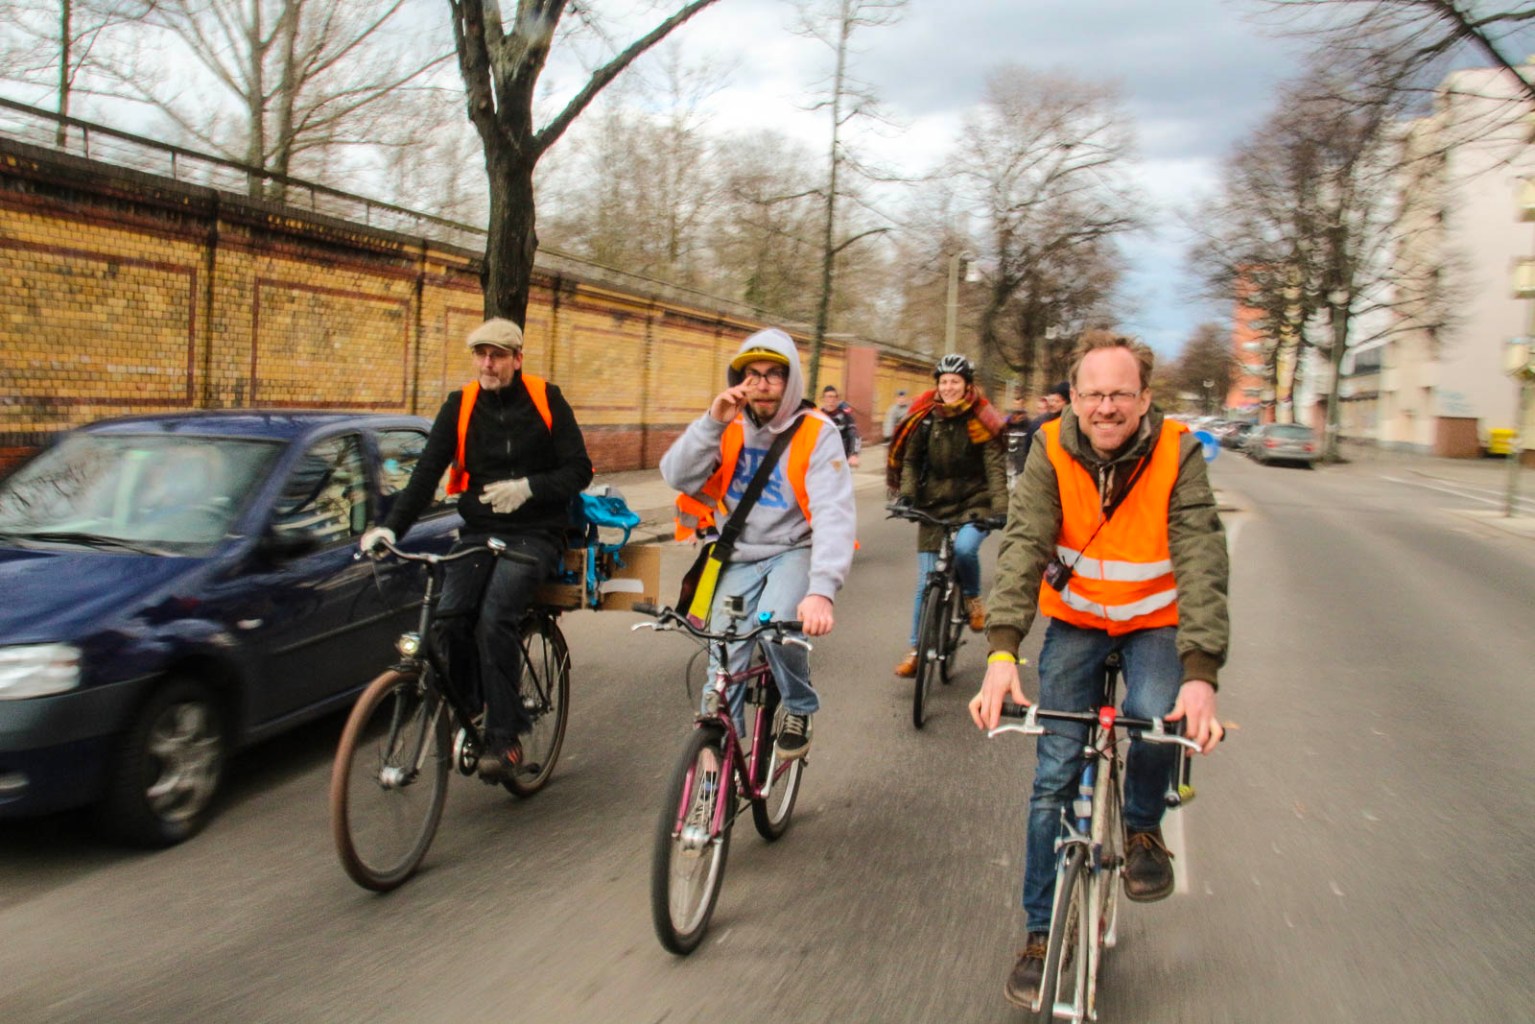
(37, 670)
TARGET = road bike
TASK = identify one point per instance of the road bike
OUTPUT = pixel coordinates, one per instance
(1090, 853)
(718, 774)
(390, 778)
(943, 617)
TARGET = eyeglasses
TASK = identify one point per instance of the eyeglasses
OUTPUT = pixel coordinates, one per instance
(1094, 398)
(774, 375)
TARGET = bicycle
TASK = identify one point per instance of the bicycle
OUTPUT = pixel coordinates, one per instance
(714, 774)
(1090, 849)
(390, 777)
(942, 619)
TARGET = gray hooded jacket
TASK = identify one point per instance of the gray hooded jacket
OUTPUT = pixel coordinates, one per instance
(776, 524)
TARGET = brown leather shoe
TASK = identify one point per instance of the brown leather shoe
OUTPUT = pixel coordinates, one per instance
(908, 667)
(977, 607)
(1148, 867)
(1022, 988)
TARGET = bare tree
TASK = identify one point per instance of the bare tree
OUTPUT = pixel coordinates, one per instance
(500, 65)
(1204, 368)
(269, 82)
(56, 43)
(833, 23)
(1419, 38)
(1311, 229)
(1043, 166)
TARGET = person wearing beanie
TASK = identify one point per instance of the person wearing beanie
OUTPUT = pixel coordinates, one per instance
(514, 463)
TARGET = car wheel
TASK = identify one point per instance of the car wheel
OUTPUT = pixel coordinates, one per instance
(168, 766)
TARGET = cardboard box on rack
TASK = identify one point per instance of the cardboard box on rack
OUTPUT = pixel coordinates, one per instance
(637, 580)
(568, 596)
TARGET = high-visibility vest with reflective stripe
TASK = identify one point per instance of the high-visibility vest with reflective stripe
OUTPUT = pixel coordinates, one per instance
(696, 512)
(1124, 581)
(538, 390)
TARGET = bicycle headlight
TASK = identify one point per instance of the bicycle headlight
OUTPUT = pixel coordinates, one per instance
(408, 645)
(38, 670)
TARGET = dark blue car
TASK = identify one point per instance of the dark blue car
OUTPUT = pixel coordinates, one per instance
(175, 587)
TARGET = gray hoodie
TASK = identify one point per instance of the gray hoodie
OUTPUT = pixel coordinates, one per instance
(776, 523)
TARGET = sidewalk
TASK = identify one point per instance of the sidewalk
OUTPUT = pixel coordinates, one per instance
(1489, 477)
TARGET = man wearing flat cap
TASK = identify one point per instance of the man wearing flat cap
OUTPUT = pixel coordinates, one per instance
(515, 458)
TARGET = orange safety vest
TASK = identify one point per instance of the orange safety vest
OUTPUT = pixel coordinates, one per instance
(1125, 582)
(538, 390)
(695, 512)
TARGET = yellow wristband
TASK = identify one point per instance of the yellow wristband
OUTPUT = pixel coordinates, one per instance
(1001, 656)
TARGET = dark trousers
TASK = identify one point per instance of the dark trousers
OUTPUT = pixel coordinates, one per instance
(483, 601)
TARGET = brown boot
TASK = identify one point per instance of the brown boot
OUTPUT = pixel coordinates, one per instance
(1022, 988)
(977, 608)
(908, 667)
(1148, 867)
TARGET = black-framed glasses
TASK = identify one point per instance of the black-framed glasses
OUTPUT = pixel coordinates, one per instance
(1095, 398)
(773, 374)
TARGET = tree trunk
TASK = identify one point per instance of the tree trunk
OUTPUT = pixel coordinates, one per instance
(512, 240)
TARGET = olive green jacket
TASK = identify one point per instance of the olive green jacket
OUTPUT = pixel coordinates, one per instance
(947, 475)
(1195, 538)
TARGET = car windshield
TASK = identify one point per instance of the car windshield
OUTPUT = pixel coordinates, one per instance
(160, 493)
(1290, 431)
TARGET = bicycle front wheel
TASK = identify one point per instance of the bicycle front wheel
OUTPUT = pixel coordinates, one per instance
(955, 621)
(545, 692)
(688, 863)
(929, 649)
(390, 780)
(771, 816)
(1063, 989)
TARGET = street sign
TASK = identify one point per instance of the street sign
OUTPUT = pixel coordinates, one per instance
(1208, 442)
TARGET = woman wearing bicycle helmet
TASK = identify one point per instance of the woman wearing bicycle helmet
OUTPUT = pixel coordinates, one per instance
(947, 459)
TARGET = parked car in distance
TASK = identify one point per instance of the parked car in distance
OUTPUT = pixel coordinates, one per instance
(1282, 442)
(180, 586)
(1235, 434)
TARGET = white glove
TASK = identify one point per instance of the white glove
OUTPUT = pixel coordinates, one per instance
(505, 496)
(372, 536)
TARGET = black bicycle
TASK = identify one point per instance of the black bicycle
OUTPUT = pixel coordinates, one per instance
(390, 778)
(942, 619)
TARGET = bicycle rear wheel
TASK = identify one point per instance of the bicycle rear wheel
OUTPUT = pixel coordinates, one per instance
(688, 863)
(771, 816)
(955, 620)
(929, 649)
(545, 691)
(1063, 989)
(390, 780)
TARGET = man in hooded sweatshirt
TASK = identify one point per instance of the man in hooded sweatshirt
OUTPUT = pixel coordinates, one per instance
(796, 546)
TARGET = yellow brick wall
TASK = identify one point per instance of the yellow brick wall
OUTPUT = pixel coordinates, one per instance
(125, 294)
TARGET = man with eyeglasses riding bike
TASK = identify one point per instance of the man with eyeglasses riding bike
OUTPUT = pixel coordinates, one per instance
(796, 544)
(1113, 534)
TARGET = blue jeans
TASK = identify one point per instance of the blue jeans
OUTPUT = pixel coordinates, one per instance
(1070, 679)
(967, 562)
(775, 585)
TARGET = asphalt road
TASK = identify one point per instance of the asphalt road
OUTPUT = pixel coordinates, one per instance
(1356, 853)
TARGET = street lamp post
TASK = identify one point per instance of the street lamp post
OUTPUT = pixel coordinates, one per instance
(951, 319)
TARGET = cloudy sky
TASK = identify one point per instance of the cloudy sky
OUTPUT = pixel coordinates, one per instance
(1196, 76)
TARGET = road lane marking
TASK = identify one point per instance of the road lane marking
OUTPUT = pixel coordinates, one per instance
(1172, 835)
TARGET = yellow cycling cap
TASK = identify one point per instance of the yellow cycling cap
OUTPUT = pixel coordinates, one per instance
(757, 355)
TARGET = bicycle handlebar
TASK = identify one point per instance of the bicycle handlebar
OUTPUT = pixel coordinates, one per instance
(916, 515)
(1152, 730)
(495, 545)
(670, 619)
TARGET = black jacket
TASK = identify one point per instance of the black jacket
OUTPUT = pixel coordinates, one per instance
(507, 439)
